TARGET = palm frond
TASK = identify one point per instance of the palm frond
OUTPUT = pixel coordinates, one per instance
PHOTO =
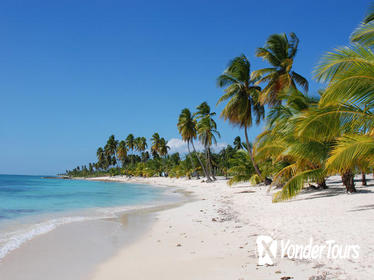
(294, 185)
(370, 14)
(225, 80)
(349, 151)
(364, 34)
(300, 80)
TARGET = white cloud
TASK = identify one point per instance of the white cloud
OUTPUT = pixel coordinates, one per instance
(179, 146)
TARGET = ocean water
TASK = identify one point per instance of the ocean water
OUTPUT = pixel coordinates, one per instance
(33, 205)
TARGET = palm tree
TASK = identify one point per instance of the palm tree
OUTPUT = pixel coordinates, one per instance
(224, 159)
(100, 157)
(238, 143)
(349, 96)
(279, 52)
(187, 129)
(90, 167)
(110, 150)
(242, 96)
(349, 73)
(203, 110)
(144, 156)
(163, 147)
(207, 131)
(242, 169)
(155, 148)
(130, 143)
(296, 158)
(122, 152)
(141, 144)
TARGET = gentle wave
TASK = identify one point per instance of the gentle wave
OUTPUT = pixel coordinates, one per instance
(12, 240)
(46, 204)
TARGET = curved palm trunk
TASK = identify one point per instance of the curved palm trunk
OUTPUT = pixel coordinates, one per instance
(201, 163)
(192, 163)
(209, 163)
(251, 155)
(226, 167)
(208, 169)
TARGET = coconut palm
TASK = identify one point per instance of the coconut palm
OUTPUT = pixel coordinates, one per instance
(110, 150)
(140, 144)
(349, 72)
(349, 95)
(155, 148)
(279, 51)
(207, 131)
(242, 99)
(131, 145)
(296, 158)
(163, 147)
(100, 157)
(187, 129)
(130, 142)
(122, 152)
(238, 145)
(203, 111)
(144, 156)
(242, 169)
(111, 145)
(224, 157)
(337, 124)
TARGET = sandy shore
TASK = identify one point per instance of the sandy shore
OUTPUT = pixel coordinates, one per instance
(214, 237)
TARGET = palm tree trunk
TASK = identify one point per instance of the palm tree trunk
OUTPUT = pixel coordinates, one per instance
(363, 178)
(348, 181)
(249, 149)
(201, 163)
(322, 184)
(210, 165)
(192, 163)
(226, 168)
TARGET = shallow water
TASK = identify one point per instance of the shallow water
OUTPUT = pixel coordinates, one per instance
(32, 205)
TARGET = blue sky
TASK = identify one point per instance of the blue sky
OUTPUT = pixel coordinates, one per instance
(74, 72)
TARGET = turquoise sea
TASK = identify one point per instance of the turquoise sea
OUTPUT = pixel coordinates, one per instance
(33, 205)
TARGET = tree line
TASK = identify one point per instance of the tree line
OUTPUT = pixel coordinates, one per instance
(306, 137)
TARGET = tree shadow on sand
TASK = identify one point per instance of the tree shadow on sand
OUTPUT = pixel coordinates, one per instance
(332, 191)
(363, 208)
(357, 180)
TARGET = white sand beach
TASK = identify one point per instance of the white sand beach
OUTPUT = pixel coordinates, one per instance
(110, 108)
(214, 236)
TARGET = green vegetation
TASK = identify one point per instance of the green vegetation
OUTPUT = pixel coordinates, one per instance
(125, 158)
(306, 137)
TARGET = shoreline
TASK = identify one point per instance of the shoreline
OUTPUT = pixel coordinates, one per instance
(209, 235)
(122, 228)
(214, 236)
(72, 251)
